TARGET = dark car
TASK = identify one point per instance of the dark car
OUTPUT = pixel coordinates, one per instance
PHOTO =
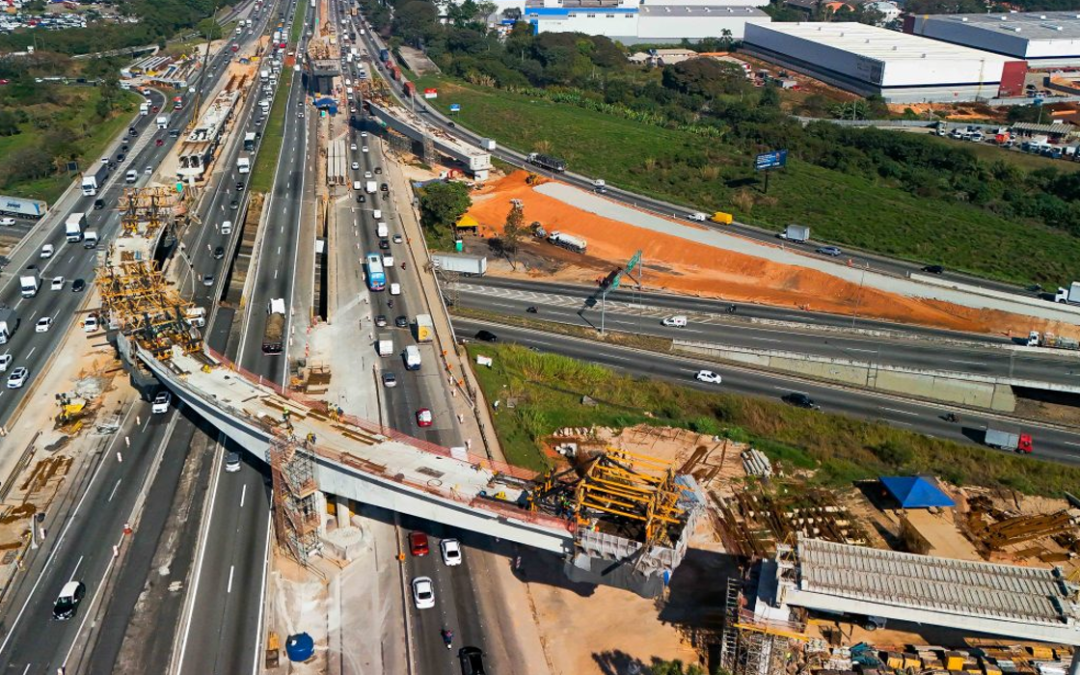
(99, 204)
(120, 157)
(472, 661)
(934, 269)
(384, 244)
(174, 133)
(219, 253)
(384, 187)
(233, 205)
(361, 199)
(78, 286)
(239, 186)
(487, 336)
(402, 321)
(124, 147)
(68, 601)
(133, 131)
(378, 169)
(380, 320)
(800, 400)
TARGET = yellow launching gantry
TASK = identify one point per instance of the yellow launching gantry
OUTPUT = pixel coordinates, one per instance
(144, 210)
(145, 307)
(635, 493)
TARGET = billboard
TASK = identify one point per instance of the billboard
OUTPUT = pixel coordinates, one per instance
(770, 160)
(431, 93)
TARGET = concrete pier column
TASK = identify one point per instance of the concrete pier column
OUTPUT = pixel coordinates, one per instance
(341, 508)
(1074, 667)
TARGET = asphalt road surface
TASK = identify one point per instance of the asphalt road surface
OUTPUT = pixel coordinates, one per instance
(1050, 444)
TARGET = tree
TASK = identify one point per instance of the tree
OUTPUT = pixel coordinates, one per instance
(770, 97)
(442, 204)
(416, 21)
(9, 123)
(1023, 113)
(514, 227)
(705, 77)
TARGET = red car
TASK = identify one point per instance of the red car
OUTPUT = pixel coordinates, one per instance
(418, 544)
(159, 142)
(424, 417)
(156, 109)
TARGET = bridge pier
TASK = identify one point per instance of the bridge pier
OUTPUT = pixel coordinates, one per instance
(1074, 666)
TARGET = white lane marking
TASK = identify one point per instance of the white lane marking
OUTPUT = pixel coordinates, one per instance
(903, 412)
(76, 570)
(279, 250)
(1075, 445)
(232, 569)
(31, 353)
(33, 315)
(969, 363)
(865, 351)
(243, 495)
(113, 493)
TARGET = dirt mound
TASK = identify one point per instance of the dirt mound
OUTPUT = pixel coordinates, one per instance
(674, 264)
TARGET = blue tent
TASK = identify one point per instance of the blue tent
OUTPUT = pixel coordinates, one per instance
(326, 103)
(914, 492)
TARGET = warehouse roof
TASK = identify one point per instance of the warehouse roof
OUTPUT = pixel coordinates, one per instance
(878, 43)
(1048, 26)
(699, 10)
(975, 589)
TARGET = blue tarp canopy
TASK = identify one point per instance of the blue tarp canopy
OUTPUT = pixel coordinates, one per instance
(326, 104)
(914, 492)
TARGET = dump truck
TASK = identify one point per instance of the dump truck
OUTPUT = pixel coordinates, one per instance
(468, 265)
(425, 328)
(74, 226)
(546, 161)
(1008, 440)
(1051, 341)
(1070, 295)
(30, 282)
(274, 333)
(568, 241)
(94, 180)
(385, 345)
(8, 320)
(798, 233)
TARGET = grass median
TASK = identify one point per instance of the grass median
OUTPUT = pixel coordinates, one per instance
(547, 390)
(682, 167)
(262, 174)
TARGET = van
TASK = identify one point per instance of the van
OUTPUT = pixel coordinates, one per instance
(377, 213)
(412, 357)
(357, 186)
(395, 289)
(382, 231)
(132, 176)
(226, 227)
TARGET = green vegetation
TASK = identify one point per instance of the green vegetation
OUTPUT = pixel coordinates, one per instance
(441, 205)
(262, 174)
(546, 392)
(841, 207)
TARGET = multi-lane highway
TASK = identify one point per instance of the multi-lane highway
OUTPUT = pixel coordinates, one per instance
(708, 322)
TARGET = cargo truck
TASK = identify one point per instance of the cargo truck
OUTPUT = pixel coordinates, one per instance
(546, 161)
(487, 144)
(243, 164)
(144, 108)
(796, 233)
(30, 282)
(162, 121)
(411, 355)
(94, 179)
(249, 141)
(1007, 440)
(1051, 341)
(1070, 295)
(371, 187)
(722, 218)
(568, 241)
(469, 265)
(8, 321)
(425, 328)
(17, 206)
(90, 239)
(274, 332)
(385, 344)
(74, 226)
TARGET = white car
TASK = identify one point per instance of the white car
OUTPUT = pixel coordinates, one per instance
(43, 324)
(47, 251)
(161, 403)
(232, 462)
(57, 284)
(5, 361)
(708, 376)
(17, 378)
(91, 324)
(11, 221)
(675, 321)
(363, 149)
(395, 289)
(423, 592)
(363, 134)
(367, 174)
(356, 166)
(352, 146)
(388, 261)
(451, 552)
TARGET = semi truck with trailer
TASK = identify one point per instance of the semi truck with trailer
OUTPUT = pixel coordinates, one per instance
(546, 161)
(1070, 295)
(17, 206)
(94, 179)
(1051, 341)
(274, 333)
(1008, 440)
(469, 265)
(8, 321)
(425, 328)
(74, 227)
(568, 241)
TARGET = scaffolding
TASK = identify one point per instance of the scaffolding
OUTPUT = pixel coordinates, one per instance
(144, 210)
(138, 301)
(296, 510)
(749, 646)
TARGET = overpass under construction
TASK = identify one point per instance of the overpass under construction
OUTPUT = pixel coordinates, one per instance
(405, 122)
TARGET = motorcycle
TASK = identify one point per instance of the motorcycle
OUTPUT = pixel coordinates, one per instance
(951, 417)
(731, 309)
(532, 310)
(448, 638)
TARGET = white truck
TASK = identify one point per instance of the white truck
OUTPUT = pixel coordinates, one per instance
(370, 187)
(90, 239)
(74, 226)
(131, 176)
(195, 316)
(243, 164)
(796, 233)
(30, 283)
(1070, 295)
(144, 108)
(412, 357)
(162, 121)
(94, 179)
(385, 344)
(568, 241)
(8, 321)
(17, 206)
(487, 144)
(264, 74)
(468, 265)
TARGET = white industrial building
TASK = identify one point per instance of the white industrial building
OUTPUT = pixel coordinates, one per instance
(869, 60)
(654, 21)
(1043, 39)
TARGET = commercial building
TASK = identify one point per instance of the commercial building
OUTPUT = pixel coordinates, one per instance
(868, 60)
(656, 21)
(1043, 39)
